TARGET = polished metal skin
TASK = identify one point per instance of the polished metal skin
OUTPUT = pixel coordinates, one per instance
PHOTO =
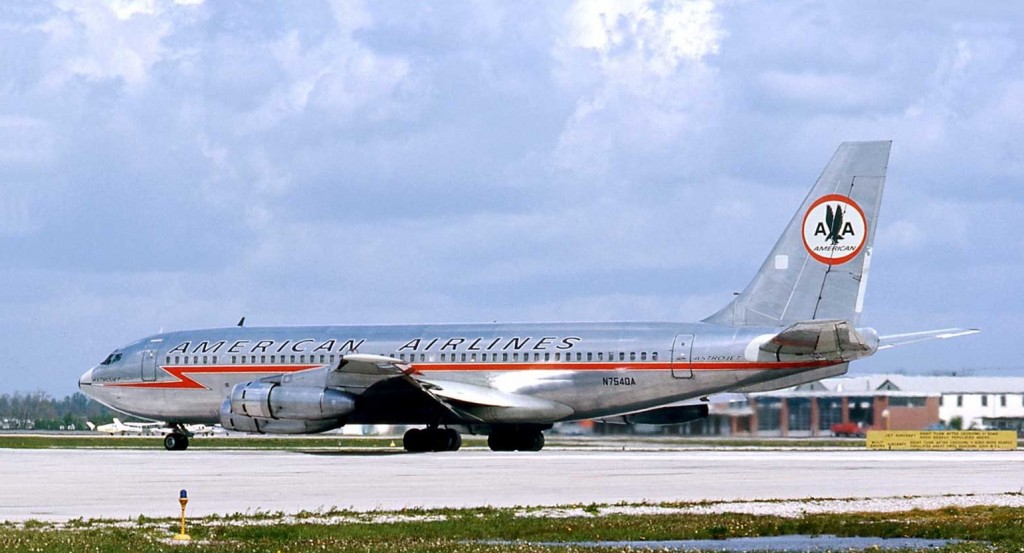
(794, 323)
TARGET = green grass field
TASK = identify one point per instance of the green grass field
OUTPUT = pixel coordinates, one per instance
(443, 530)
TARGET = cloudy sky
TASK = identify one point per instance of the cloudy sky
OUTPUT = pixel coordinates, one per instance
(178, 164)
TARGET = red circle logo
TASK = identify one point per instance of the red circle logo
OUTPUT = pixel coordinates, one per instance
(834, 229)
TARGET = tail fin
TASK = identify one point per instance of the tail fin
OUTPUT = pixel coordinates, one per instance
(819, 267)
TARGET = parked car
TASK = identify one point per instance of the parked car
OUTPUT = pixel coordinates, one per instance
(849, 430)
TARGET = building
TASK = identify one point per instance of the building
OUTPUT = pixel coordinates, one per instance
(895, 402)
(886, 401)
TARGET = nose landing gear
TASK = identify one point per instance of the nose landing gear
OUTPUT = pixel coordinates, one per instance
(177, 438)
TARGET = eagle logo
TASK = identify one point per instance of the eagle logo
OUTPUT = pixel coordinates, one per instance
(834, 229)
(834, 222)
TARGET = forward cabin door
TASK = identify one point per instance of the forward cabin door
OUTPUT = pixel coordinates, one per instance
(149, 365)
(681, 350)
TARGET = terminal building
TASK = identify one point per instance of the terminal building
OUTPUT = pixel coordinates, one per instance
(873, 402)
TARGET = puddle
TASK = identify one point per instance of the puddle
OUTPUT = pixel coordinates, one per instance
(769, 543)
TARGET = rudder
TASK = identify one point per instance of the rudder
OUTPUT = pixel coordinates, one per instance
(818, 268)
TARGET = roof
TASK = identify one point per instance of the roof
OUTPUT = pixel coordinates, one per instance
(900, 384)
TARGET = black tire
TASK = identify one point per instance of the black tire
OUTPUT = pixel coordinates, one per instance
(455, 442)
(412, 440)
(501, 441)
(175, 442)
(439, 439)
(531, 441)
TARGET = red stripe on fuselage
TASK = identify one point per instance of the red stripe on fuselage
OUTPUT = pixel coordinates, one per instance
(184, 382)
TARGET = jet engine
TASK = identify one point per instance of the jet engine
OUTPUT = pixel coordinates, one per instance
(270, 408)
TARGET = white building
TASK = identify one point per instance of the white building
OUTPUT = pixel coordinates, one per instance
(975, 399)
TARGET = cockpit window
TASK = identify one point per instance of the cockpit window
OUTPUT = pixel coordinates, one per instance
(112, 358)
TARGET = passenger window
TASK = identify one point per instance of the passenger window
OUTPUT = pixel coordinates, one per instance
(622, 356)
(515, 356)
(472, 357)
(273, 359)
(252, 359)
(600, 356)
(214, 359)
(176, 360)
(463, 358)
(186, 360)
(423, 357)
(632, 356)
(302, 358)
(654, 356)
(167, 361)
(483, 357)
(233, 360)
(579, 356)
(558, 356)
(504, 357)
(547, 356)
(263, 359)
(643, 356)
(195, 359)
(292, 358)
(590, 356)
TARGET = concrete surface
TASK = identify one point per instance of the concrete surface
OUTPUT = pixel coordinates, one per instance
(65, 484)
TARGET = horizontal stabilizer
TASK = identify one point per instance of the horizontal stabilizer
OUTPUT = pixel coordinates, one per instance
(822, 339)
(893, 340)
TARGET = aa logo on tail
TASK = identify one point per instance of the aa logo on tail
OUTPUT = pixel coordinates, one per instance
(835, 229)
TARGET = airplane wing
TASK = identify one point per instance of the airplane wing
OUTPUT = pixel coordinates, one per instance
(893, 340)
(489, 404)
(357, 373)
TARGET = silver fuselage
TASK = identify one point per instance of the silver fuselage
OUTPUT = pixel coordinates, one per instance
(597, 369)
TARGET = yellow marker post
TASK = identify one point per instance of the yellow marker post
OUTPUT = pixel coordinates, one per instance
(183, 500)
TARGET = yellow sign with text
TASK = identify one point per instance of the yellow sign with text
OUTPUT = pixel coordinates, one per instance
(948, 440)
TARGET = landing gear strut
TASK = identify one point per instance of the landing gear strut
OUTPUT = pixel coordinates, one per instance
(177, 439)
(520, 439)
(432, 439)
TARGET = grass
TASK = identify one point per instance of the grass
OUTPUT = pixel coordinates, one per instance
(983, 528)
(78, 441)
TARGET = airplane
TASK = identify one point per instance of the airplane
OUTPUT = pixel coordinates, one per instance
(795, 322)
(124, 428)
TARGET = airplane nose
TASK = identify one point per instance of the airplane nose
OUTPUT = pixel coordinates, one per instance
(85, 379)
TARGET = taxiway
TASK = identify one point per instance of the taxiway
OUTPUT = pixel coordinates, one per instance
(60, 485)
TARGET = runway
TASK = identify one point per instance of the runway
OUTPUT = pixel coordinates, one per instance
(59, 485)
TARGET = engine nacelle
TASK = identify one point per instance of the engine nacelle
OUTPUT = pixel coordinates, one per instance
(258, 425)
(267, 407)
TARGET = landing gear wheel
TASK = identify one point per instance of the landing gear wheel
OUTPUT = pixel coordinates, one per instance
(418, 440)
(516, 440)
(175, 442)
(455, 439)
(414, 441)
(531, 441)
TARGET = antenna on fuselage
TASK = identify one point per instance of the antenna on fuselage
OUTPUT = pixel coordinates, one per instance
(241, 322)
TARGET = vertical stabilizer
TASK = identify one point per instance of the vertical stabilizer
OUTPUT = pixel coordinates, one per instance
(818, 269)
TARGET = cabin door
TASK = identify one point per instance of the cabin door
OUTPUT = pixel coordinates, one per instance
(681, 350)
(149, 365)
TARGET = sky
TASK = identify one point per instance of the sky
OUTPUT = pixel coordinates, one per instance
(179, 164)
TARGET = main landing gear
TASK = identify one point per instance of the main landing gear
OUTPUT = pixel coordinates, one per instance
(431, 439)
(177, 438)
(521, 439)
